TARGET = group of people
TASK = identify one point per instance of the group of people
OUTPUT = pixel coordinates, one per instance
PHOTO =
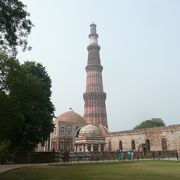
(133, 155)
(130, 155)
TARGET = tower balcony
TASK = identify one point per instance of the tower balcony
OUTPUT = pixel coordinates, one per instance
(94, 95)
(94, 67)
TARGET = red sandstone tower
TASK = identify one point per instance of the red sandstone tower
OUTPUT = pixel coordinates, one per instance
(94, 97)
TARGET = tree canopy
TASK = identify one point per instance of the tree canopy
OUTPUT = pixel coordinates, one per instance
(25, 92)
(154, 122)
(9, 111)
(14, 26)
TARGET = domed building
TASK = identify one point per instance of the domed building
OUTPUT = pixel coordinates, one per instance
(65, 128)
(89, 138)
(72, 132)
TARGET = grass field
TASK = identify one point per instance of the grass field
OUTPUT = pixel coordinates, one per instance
(156, 170)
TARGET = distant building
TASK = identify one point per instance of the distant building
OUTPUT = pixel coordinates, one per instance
(67, 126)
(74, 133)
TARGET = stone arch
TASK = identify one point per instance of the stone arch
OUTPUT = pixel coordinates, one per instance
(164, 144)
(148, 145)
(120, 145)
(77, 131)
(133, 145)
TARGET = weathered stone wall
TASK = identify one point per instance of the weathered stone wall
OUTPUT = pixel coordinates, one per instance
(155, 136)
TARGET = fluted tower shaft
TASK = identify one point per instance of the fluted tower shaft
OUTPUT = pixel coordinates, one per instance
(94, 97)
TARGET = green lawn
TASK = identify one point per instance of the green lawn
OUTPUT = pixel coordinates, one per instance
(156, 170)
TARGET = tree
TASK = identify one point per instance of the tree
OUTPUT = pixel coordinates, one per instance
(4, 150)
(39, 108)
(11, 118)
(154, 122)
(28, 86)
(14, 26)
(7, 66)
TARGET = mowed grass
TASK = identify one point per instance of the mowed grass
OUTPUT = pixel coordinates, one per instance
(156, 170)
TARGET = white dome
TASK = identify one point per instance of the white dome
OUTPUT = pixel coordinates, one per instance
(89, 130)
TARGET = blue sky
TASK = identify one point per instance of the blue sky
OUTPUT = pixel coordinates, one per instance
(140, 53)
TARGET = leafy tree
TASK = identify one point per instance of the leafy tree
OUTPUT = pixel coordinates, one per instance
(4, 150)
(154, 122)
(14, 26)
(7, 65)
(28, 87)
(11, 117)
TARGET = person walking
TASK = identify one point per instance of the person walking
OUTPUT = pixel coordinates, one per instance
(129, 155)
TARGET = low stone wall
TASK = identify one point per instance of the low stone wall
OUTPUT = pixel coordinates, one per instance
(34, 157)
(154, 135)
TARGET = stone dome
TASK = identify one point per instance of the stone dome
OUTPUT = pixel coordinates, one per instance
(71, 117)
(89, 130)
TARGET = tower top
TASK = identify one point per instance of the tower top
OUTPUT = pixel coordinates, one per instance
(93, 36)
(92, 24)
(93, 30)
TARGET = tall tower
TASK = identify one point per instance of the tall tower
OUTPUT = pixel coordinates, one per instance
(94, 97)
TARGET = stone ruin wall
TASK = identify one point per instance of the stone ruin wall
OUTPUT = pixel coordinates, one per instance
(155, 135)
